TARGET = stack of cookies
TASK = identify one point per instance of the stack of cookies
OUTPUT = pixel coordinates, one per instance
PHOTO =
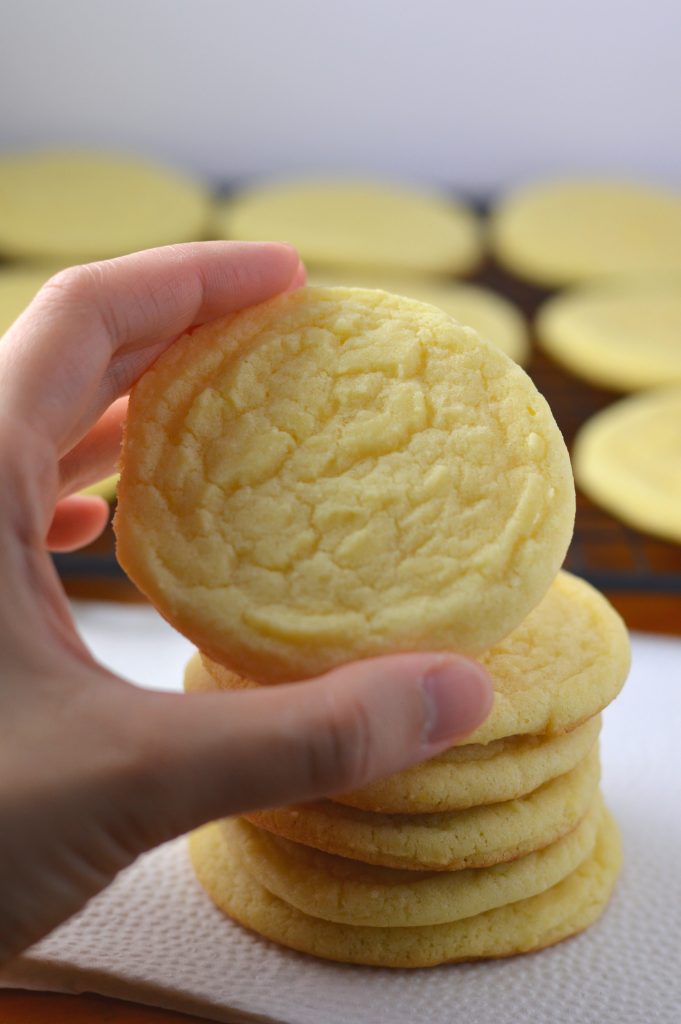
(342, 473)
(498, 846)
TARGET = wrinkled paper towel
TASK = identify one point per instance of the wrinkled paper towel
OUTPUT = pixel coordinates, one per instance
(153, 936)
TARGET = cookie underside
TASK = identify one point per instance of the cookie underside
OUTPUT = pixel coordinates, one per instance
(559, 912)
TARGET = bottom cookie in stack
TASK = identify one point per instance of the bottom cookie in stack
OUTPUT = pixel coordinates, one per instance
(240, 880)
(499, 846)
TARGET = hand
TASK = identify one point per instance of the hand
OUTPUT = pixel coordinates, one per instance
(93, 771)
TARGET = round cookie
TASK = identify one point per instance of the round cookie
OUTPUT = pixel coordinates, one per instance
(490, 315)
(563, 910)
(562, 665)
(627, 459)
(625, 336)
(349, 892)
(18, 287)
(358, 224)
(450, 841)
(463, 776)
(561, 232)
(79, 206)
(339, 473)
(474, 775)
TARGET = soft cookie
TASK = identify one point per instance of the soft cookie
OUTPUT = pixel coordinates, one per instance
(566, 908)
(562, 232)
(490, 315)
(463, 776)
(562, 665)
(339, 473)
(628, 460)
(474, 838)
(349, 892)
(365, 224)
(77, 206)
(624, 337)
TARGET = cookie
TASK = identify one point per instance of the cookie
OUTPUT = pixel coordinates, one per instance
(561, 232)
(79, 206)
(476, 774)
(105, 488)
(627, 459)
(490, 315)
(348, 892)
(18, 287)
(474, 838)
(463, 776)
(375, 225)
(562, 665)
(340, 473)
(624, 337)
(530, 924)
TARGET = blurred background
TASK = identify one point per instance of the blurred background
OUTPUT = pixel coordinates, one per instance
(459, 104)
(469, 96)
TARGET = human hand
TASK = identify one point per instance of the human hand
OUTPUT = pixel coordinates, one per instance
(94, 771)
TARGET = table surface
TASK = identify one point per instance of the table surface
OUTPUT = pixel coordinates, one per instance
(17, 1007)
(640, 575)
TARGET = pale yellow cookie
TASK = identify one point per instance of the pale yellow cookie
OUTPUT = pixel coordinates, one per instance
(561, 232)
(562, 665)
(349, 892)
(477, 837)
(18, 287)
(377, 225)
(624, 337)
(490, 315)
(530, 924)
(627, 459)
(475, 774)
(77, 206)
(105, 488)
(339, 473)
(463, 776)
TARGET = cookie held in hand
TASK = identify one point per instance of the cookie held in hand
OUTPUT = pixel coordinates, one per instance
(340, 473)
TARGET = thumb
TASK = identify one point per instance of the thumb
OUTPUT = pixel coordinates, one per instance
(222, 753)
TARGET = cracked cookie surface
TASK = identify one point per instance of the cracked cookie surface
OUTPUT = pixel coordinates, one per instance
(339, 473)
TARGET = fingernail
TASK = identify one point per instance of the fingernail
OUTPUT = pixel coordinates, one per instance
(459, 697)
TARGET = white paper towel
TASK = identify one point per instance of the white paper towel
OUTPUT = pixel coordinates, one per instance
(155, 937)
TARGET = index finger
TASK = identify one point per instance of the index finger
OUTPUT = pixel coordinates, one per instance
(93, 330)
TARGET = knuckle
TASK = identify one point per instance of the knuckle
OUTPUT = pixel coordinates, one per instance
(81, 292)
(74, 283)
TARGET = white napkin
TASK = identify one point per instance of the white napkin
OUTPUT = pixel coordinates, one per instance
(154, 936)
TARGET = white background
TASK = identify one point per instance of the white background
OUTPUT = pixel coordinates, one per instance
(475, 95)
